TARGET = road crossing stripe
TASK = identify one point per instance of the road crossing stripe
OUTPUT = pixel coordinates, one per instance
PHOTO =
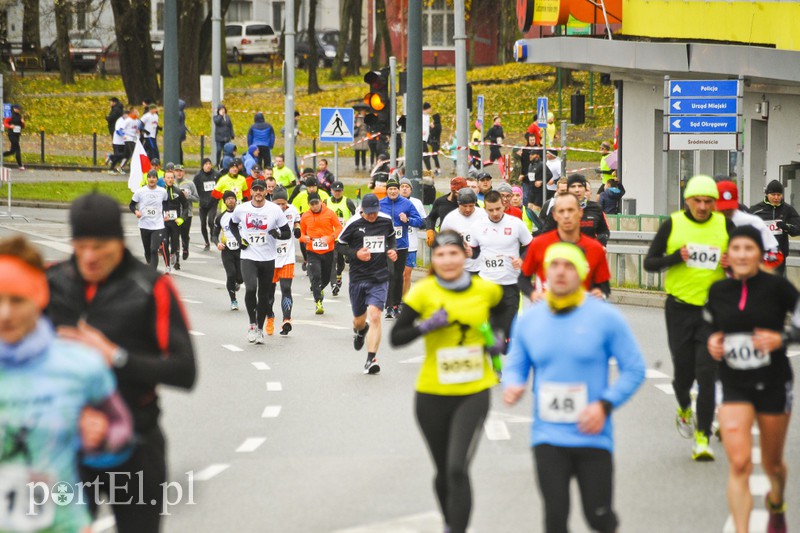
(496, 430)
(232, 348)
(251, 444)
(274, 386)
(260, 365)
(210, 472)
(271, 411)
(652, 373)
(196, 333)
(758, 522)
(666, 388)
(190, 301)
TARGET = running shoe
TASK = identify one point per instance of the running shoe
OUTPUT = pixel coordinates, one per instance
(777, 516)
(237, 287)
(335, 290)
(270, 326)
(260, 337)
(304, 266)
(359, 338)
(372, 367)
(20, 167)
(389, 312)
(252, 333)
(320, 309)
(701, 450)
(684, 421)
(185, 255)
(234, 305)
(177, 265)
(286, 327)
(207, 247)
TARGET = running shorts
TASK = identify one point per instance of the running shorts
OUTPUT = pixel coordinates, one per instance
(411, 260)
(366, 293)
(773, 399)
(284, 272)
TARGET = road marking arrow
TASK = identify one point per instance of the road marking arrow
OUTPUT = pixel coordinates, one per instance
(677, 124)
(677, 105)
(676, 89)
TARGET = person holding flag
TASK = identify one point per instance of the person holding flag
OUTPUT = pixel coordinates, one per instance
(140, 166)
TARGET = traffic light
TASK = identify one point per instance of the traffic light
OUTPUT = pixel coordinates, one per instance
(378, 100)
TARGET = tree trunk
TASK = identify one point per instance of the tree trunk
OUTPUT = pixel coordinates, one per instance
(205, 41)
(354, 66)
(344, 33)
(190, 17)
(31, 40)
(383, 41)
(62, 15)
(131, 22)
(473, 15)
(507, 32)
(313, 84)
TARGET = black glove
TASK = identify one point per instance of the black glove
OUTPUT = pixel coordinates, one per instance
(244, 244)
(275, 233)
(782, 225)
(296, 233)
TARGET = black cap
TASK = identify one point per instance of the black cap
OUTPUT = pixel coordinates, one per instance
(311, 182)
(370, 204)
(228, 194)
(576, 178)
(337, 186)
(179, 167)
(313, 197)
(155, 161)
(237, 161)
(280, 193)
(484, 176)
(748, 232)
(467, 196)
(307, 171)
(255, 168)
(774, 186)
(392, 182)
(258, 184)
(170, 166)
(95, 215)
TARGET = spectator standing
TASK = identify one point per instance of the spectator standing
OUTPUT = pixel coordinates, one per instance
(611, 196)
(262, 135)
(14, 125)
(435, 141)
(361, 146)
(182, 129)
(325, 177)
(223, 132)
(114, 114)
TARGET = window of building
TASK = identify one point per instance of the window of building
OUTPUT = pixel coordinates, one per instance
(81, 15)
(160, 16)
(277, 16)
(239, 11)
(438, 25)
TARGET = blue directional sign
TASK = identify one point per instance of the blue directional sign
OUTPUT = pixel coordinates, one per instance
(703, 106)
(541, 111)
(702, 124)
(336, 124)
(480, 105)
(694, 88)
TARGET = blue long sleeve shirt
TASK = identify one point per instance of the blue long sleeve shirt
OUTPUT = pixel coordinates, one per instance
(573, 348)
(393, 209)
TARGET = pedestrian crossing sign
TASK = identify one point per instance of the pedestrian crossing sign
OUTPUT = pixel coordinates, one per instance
(336, 124)
(541, 111)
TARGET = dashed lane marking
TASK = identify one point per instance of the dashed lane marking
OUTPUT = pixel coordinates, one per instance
(251, 444)
(182, 274)
(271, 411)
(232, 348)
(210, 472)
(759, 485)
(666, 388)
(755, 456)
(652, 373)
(758, 522)
(274, 386)
(413, 360)
(496, 430)
(260, 365)
(196, 333)
(320, 324)
(190, 301)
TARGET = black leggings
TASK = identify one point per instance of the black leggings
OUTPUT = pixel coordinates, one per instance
(594, 470)
(339, 266)
(287, 302)
(152, 239)
(185, 228)
(264, 157)
(452, 426)
(259, 289)
(510, 307)
(14, 149)
(362, 154)
(319, 270)
(207, 216)
(396, 270)
(233, 271)
(148, 464)
(117, 157)
(687, 334)
(172, 241)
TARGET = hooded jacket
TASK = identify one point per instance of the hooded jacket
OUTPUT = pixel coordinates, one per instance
(786, 214)
(113, 115)
(261, 132)
(609, 199)
(203, 190)
(250, 158)
(227, 156)
(223, 131)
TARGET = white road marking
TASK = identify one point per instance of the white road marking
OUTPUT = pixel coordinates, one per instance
(509, 418)
(496, 430)
(274, 386)
(210, 472)
(755, 456)
(271, 411)
(198, 278)
(190, 301)
(793, 352)
(652, 373)
(195, 262)
(232, 348)
(666, 388)
(320, 324)
(260, 365)
(196, 333)
(430, 521)
(758, 522)
(325, 301)
(414, 360)
(251, 444)
(754, 430)
(759, 485)
(103, 524)
(60, 246)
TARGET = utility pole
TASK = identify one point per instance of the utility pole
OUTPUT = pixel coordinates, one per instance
(172, 137)
(413, 150)
(216, 62)
(393, 112)
(462, 115)
(288, 87)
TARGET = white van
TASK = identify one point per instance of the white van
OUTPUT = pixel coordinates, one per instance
(250, 39)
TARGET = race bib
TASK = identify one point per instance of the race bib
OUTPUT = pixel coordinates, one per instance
(740, 354)
(150, 212)
(171, 214)
(282, 249)
(232, 244)
(16, 129)
(19, 490)
(561, 403)
(773, 227)
(467, 237)
(398, 232)
(531, 176)
(375, 244)
(209, 186)
(495, 263)
(463, 364)
(319, 244)
(703, 256)
(257, 237)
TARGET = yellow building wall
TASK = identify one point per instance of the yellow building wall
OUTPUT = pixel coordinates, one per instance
(759, 22)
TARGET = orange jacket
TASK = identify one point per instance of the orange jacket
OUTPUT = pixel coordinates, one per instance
(318, 231)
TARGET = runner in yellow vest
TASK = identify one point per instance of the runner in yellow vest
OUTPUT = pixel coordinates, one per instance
(344, 208)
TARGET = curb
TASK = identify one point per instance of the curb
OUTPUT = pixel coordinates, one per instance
(652, 299)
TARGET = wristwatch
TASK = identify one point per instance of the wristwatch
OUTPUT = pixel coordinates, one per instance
(119, 358)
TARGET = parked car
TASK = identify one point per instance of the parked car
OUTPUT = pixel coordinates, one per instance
(84, 54)
(111, 55)
(327, 41)
(249, 39)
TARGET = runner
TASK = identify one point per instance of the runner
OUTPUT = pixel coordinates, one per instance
(45, 382)
(413, 233)
(256, 225)
(499, 244)
(284, 264)
(189, 191)
(204, 182)
(108, 300)
(367, 242)
(747, 313)
(229, 245)
(284, 176)
(781, 218)
(594, 222)
(691, 246)
(568, 214)
(568, 341)
(344, 208)
(484, 186)
(404, 216)
(175, 208)
(506, 194)
(319, 228)
(148, 206)
(463, 221)
(452, 311)
(442, 206)
(231, 181)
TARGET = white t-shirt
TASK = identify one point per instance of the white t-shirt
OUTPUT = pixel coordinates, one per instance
(286, 248)
(255, 223)
(426, 126)
(150, 202)
(130, 129)
(119, 126)
(740, 218)
(150, 123)
(555, 167)
(413, 233)
(464, 226)
(225, 225)
(500, 243)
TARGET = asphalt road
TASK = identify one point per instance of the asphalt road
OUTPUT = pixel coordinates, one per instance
(292, 437)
